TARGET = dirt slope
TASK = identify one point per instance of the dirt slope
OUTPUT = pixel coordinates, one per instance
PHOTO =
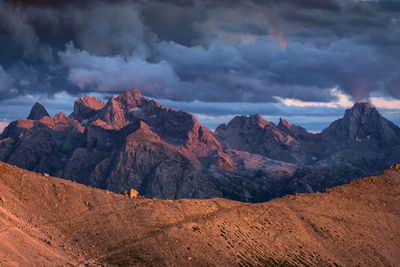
(50, 221)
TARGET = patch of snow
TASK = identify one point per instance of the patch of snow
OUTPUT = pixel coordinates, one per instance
(84, 122)
(314, 158)
(358, 139)
(368, 137)
(136, 109)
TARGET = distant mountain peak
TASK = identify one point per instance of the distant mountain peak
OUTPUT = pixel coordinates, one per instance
(255, 119)
(113, 114)
(284, 124)
(362, 112)
(364, 105)
(37, 112)
(363, 122)
(130, 99)
(85, 108)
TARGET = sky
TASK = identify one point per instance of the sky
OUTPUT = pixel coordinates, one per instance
(304, 60)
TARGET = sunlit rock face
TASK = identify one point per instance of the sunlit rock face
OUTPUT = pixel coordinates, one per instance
(134, 142)
(85, 108)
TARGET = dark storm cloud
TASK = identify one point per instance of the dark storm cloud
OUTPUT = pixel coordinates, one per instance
(218, 51)
(245, 27)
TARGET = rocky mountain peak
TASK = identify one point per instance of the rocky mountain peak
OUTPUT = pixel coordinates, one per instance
(362, 119)
(255, 135)
(295, 131)
(113, 114)
(130, 99)
(37, 112)
(254, 121)
(87, 107)
(284, 124)
(363, 122)
(362, 105)
(259, 120)
(362, 111)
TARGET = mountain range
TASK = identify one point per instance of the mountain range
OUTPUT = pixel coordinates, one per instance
(134, 142)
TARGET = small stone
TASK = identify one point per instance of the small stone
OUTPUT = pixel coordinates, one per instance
(133, 193)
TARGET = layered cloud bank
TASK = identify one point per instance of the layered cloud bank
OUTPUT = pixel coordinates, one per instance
(206, 51)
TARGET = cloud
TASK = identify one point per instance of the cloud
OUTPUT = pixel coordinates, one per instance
(3, 124)
(211, 51)
(117, 73)
(5, 81)
(385, 103)
(342, 100)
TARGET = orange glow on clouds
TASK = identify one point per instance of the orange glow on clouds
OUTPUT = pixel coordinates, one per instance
(282, 42)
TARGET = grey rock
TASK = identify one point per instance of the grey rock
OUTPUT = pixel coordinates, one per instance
(255, 135)
(37, 112)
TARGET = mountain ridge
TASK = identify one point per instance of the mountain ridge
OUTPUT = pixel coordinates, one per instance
(173, 156)
(72, 224)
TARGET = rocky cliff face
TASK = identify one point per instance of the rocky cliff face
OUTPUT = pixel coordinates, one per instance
(255, 135)
(134, 142)
(85, 108)
(363, 123)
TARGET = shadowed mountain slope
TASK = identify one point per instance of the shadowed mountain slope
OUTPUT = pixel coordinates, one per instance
(47, 220)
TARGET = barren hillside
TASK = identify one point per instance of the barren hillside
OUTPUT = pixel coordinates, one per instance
(51, 221)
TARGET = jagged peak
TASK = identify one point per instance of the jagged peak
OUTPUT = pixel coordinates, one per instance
(111, 100)
(361, 111)
(37, 112)
(143, 130)
(143, 125)
(252, 120)
(284, 123)
(90, 102)
(112, 114)
(87, 107)
(256, 119)
(61, 116)
(363, 106)
(363, 121)
(112, 105)
(130, 99)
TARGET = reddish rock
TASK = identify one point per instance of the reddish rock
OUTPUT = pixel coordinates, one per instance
(85, 108)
